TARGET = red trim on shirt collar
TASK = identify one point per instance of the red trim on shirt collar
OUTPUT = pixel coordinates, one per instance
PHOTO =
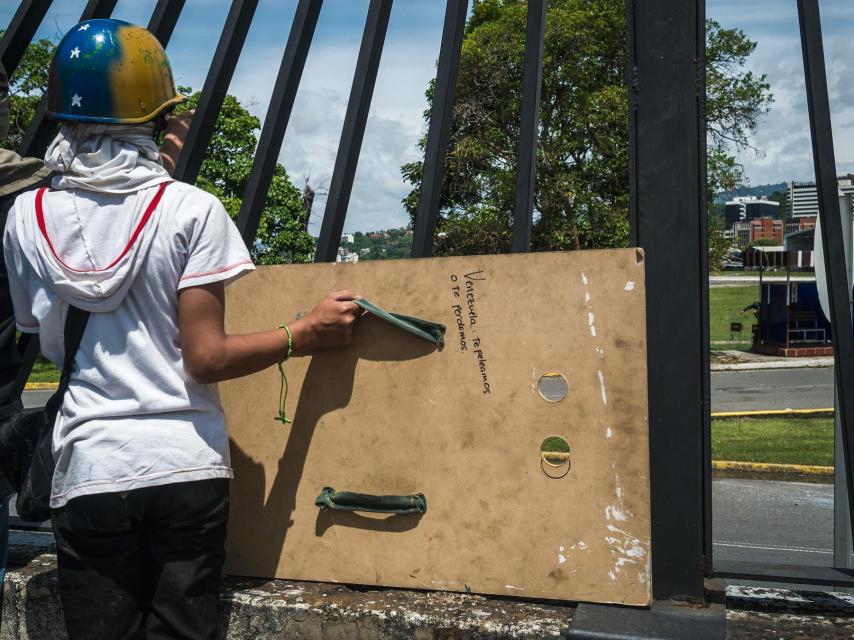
(145, 217)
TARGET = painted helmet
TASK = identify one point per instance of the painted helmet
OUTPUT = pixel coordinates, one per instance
(112, 72)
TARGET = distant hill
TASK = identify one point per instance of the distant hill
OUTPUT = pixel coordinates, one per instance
(385, 244)
(758, 190)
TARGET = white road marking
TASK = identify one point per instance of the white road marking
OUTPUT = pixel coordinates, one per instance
(773, 547)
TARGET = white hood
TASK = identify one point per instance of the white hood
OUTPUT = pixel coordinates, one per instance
(99, 222)
(107, 158)
(92, 246)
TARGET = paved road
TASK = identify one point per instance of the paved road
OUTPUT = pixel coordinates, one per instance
(36, 398)
(774, 522)
(772, 389)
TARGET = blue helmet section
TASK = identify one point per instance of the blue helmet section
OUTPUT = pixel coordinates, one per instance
(78, 87)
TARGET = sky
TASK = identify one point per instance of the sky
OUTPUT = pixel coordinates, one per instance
(408, 63)
(783, 137)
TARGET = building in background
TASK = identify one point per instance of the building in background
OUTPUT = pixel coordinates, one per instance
(766, 229)
(803, 197)
(744, 208)
(345, 255)
(347, 238)
(800, 224)
(749, 231)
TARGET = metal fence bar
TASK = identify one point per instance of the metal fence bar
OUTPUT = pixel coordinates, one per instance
(824, 159)
(41, 129)
(666, 94)
(530, 125)
(20, 32)
(441, 115)
(278, 115)
(164, 18)
(703, 204)
(216, 85)
(361, 93)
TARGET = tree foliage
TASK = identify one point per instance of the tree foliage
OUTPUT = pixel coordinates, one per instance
(581, 197)
(26, 88)
(282, 233)
(719, 246)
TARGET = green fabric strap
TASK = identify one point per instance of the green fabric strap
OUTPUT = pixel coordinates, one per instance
(348, 501)
(430, 331)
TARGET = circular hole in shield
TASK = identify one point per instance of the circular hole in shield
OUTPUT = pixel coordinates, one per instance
(554, 457)
(553, 386)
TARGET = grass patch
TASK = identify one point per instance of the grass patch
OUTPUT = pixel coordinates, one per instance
(725, 305)
(777, 440)
(44, 371)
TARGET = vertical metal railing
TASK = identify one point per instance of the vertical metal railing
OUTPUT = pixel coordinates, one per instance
(441, 116)
(836, 271)
(667, 186)
(164, 18)
(278, 116)
(21, 31)
(532, 81)
(358, 106)
(219, 76)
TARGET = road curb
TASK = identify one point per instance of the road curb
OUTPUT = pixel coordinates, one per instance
(775, 413)
(813, 363)
(41, 386)
(770, 467)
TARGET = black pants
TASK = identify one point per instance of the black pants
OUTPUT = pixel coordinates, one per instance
(144, 563)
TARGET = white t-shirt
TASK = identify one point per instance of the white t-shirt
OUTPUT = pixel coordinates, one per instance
(132, 416)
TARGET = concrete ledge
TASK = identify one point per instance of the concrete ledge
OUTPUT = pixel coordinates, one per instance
(266, 609)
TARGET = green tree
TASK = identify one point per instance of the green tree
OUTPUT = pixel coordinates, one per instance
(719, 246)
(282, 233)
(782, 198)
(581, 197)
(27, 86)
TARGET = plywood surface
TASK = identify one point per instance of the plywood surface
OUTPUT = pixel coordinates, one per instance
(391, 414)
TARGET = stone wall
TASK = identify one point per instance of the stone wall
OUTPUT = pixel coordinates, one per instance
(268, 609)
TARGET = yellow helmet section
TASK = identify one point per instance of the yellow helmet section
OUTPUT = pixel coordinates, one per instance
(142, 79)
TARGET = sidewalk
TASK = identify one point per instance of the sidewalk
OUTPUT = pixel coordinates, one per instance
(734, 360)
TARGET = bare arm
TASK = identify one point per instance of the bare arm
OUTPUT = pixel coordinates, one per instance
(210, 355)
(177, 127)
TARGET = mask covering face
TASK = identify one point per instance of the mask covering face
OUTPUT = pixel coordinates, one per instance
(4, 104)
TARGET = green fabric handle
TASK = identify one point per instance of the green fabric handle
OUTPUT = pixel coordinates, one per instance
(430, 331)
(348, 501)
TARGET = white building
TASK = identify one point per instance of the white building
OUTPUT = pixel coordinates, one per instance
(347, 238)
(364, 251)
(345, 255)
(803, 197)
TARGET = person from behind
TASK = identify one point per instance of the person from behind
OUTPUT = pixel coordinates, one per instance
(139, 499)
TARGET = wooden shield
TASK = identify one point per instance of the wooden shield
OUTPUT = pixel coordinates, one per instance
(538, 347)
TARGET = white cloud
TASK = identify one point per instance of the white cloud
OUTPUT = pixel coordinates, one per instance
(394, 125)
(783, 136)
